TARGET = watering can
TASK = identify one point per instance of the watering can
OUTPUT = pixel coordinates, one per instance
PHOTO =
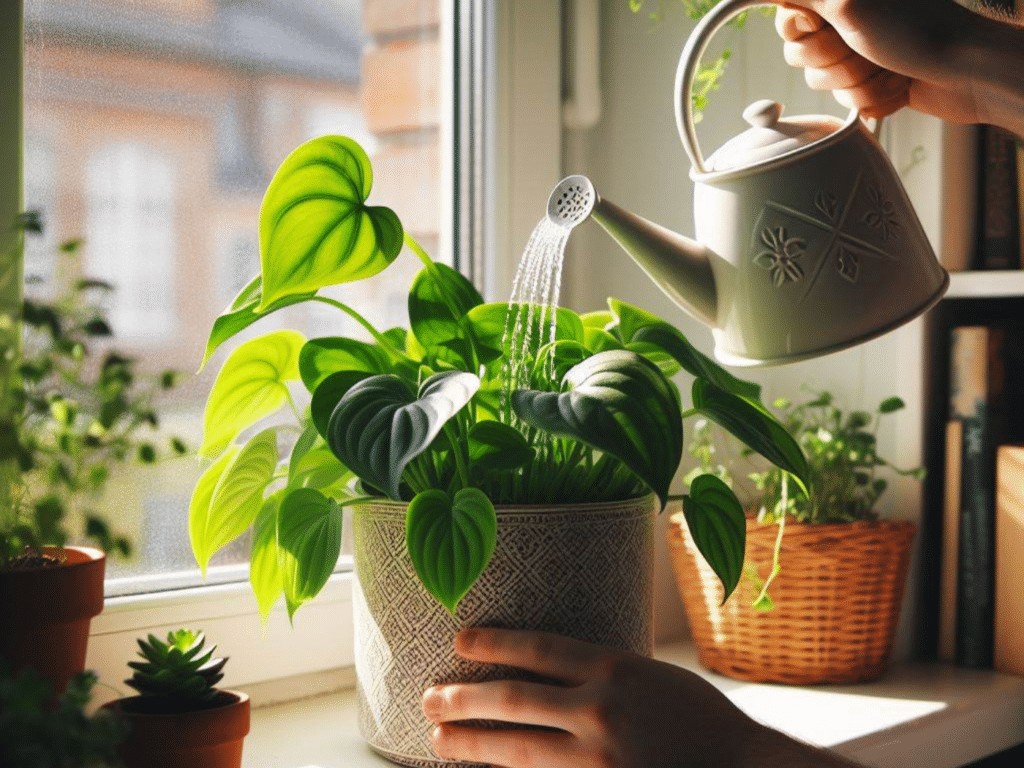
(805, 240)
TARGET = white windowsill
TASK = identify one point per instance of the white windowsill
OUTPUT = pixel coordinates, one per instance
(918, 716)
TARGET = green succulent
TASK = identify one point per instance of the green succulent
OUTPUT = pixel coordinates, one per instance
(177, 670)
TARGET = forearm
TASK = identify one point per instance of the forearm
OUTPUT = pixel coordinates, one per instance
(993, 53)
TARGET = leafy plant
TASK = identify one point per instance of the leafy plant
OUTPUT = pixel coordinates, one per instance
(432, 414)
(843, 464)
(180, 671)
(71, 409)
(36, 734)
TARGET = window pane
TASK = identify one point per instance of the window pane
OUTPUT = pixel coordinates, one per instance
(151, 130)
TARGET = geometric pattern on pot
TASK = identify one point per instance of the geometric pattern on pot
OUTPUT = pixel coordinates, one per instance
(583, 571)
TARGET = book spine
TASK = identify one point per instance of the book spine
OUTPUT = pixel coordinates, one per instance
(1009, 597)
(973, 400)
(999, 246)
(950, 541)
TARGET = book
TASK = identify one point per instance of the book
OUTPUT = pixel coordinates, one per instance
(959, 195)
(998, 214)
(976, 381)
(1008, 651)
(950, 541)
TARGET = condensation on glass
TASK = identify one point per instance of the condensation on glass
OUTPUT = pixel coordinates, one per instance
(151, 130)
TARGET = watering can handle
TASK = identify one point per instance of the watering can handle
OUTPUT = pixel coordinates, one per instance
(689, 60)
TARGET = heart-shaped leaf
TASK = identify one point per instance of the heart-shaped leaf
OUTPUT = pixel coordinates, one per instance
(620, 403)
(489, 323)
(319, 358)
(498, 447)
(638, 326)
(236, 499)
(450, 542)
(309, 542)
(265, 574)
(438, 299)
(379, 426)
(315, 227)
(202, 497)
(251, 385)
(754, 426)
(243, 312)
(718, 527)
(328, 393)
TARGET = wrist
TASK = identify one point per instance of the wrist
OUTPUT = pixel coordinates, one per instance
(768, 748)
(992, 57)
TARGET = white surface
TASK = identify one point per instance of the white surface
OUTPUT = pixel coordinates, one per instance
(986, 284)
(918, 716)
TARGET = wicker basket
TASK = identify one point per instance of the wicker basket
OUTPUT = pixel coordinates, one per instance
(837, 602)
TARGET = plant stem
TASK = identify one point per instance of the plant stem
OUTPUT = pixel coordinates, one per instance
(416, 248)
(460, 460)
(377, 336)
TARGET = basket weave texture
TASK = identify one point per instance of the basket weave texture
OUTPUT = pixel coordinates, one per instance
(837, 601)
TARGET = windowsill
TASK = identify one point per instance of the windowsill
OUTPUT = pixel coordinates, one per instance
(918, 716)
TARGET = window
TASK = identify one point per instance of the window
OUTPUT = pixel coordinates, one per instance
(154, 125)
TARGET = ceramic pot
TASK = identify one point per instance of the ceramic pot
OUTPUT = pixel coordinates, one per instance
(837, 601)
(208, 738)
(47, 612)
(583, 571)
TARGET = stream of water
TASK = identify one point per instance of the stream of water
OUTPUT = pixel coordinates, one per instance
(533, 306)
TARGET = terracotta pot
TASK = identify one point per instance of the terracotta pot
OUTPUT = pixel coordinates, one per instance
(837, 601)
(209, 738)
(46, 613)
(583, 571)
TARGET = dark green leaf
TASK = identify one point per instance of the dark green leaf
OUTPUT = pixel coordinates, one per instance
(319, 358)
(379, 425)
(498, 447)
(754, 426)
(450, 542)
(619, 403)
(438, 299)
(309, 542)
(718, 527)
(329, 393)
(891, 404)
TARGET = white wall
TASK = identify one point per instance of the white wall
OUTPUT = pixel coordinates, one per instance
(635, 159)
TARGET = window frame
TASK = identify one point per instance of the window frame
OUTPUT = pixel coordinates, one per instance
(518, 117)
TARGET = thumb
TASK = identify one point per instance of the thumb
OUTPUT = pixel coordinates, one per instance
(794, 22)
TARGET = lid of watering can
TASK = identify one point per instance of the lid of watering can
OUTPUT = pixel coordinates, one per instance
(770, 136)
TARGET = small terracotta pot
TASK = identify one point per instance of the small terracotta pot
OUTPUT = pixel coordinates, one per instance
(47, 611)
(208, 738)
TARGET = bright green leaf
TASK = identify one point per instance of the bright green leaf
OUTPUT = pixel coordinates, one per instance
(309, 542)
(315, 227)
(237, 497)
(450, 542)
(199, 506)
(251, 385)
(620, 403)
(718, 527)
(380, 425)
(265, 574)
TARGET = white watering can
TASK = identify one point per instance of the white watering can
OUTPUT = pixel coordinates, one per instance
(806, 242)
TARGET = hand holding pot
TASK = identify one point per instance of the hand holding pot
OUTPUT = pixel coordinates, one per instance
(605, 708)
(932, 55)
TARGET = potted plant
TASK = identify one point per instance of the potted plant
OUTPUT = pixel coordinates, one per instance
(70, 411)
(34, 732)
(836, 570)
(504, 461)
(179, 716)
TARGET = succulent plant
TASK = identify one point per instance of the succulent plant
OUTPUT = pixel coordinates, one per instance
(178, 670)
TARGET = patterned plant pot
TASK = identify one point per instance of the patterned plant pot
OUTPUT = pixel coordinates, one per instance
(583, 571)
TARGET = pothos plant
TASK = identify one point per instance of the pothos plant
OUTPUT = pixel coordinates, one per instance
(427, 415)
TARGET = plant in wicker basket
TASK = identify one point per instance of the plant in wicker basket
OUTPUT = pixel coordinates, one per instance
(179, 670)
(836, 570)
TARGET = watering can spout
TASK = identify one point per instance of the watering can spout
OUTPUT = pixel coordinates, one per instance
(681, 267)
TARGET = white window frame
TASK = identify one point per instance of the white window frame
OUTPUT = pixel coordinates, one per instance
(281, 660)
